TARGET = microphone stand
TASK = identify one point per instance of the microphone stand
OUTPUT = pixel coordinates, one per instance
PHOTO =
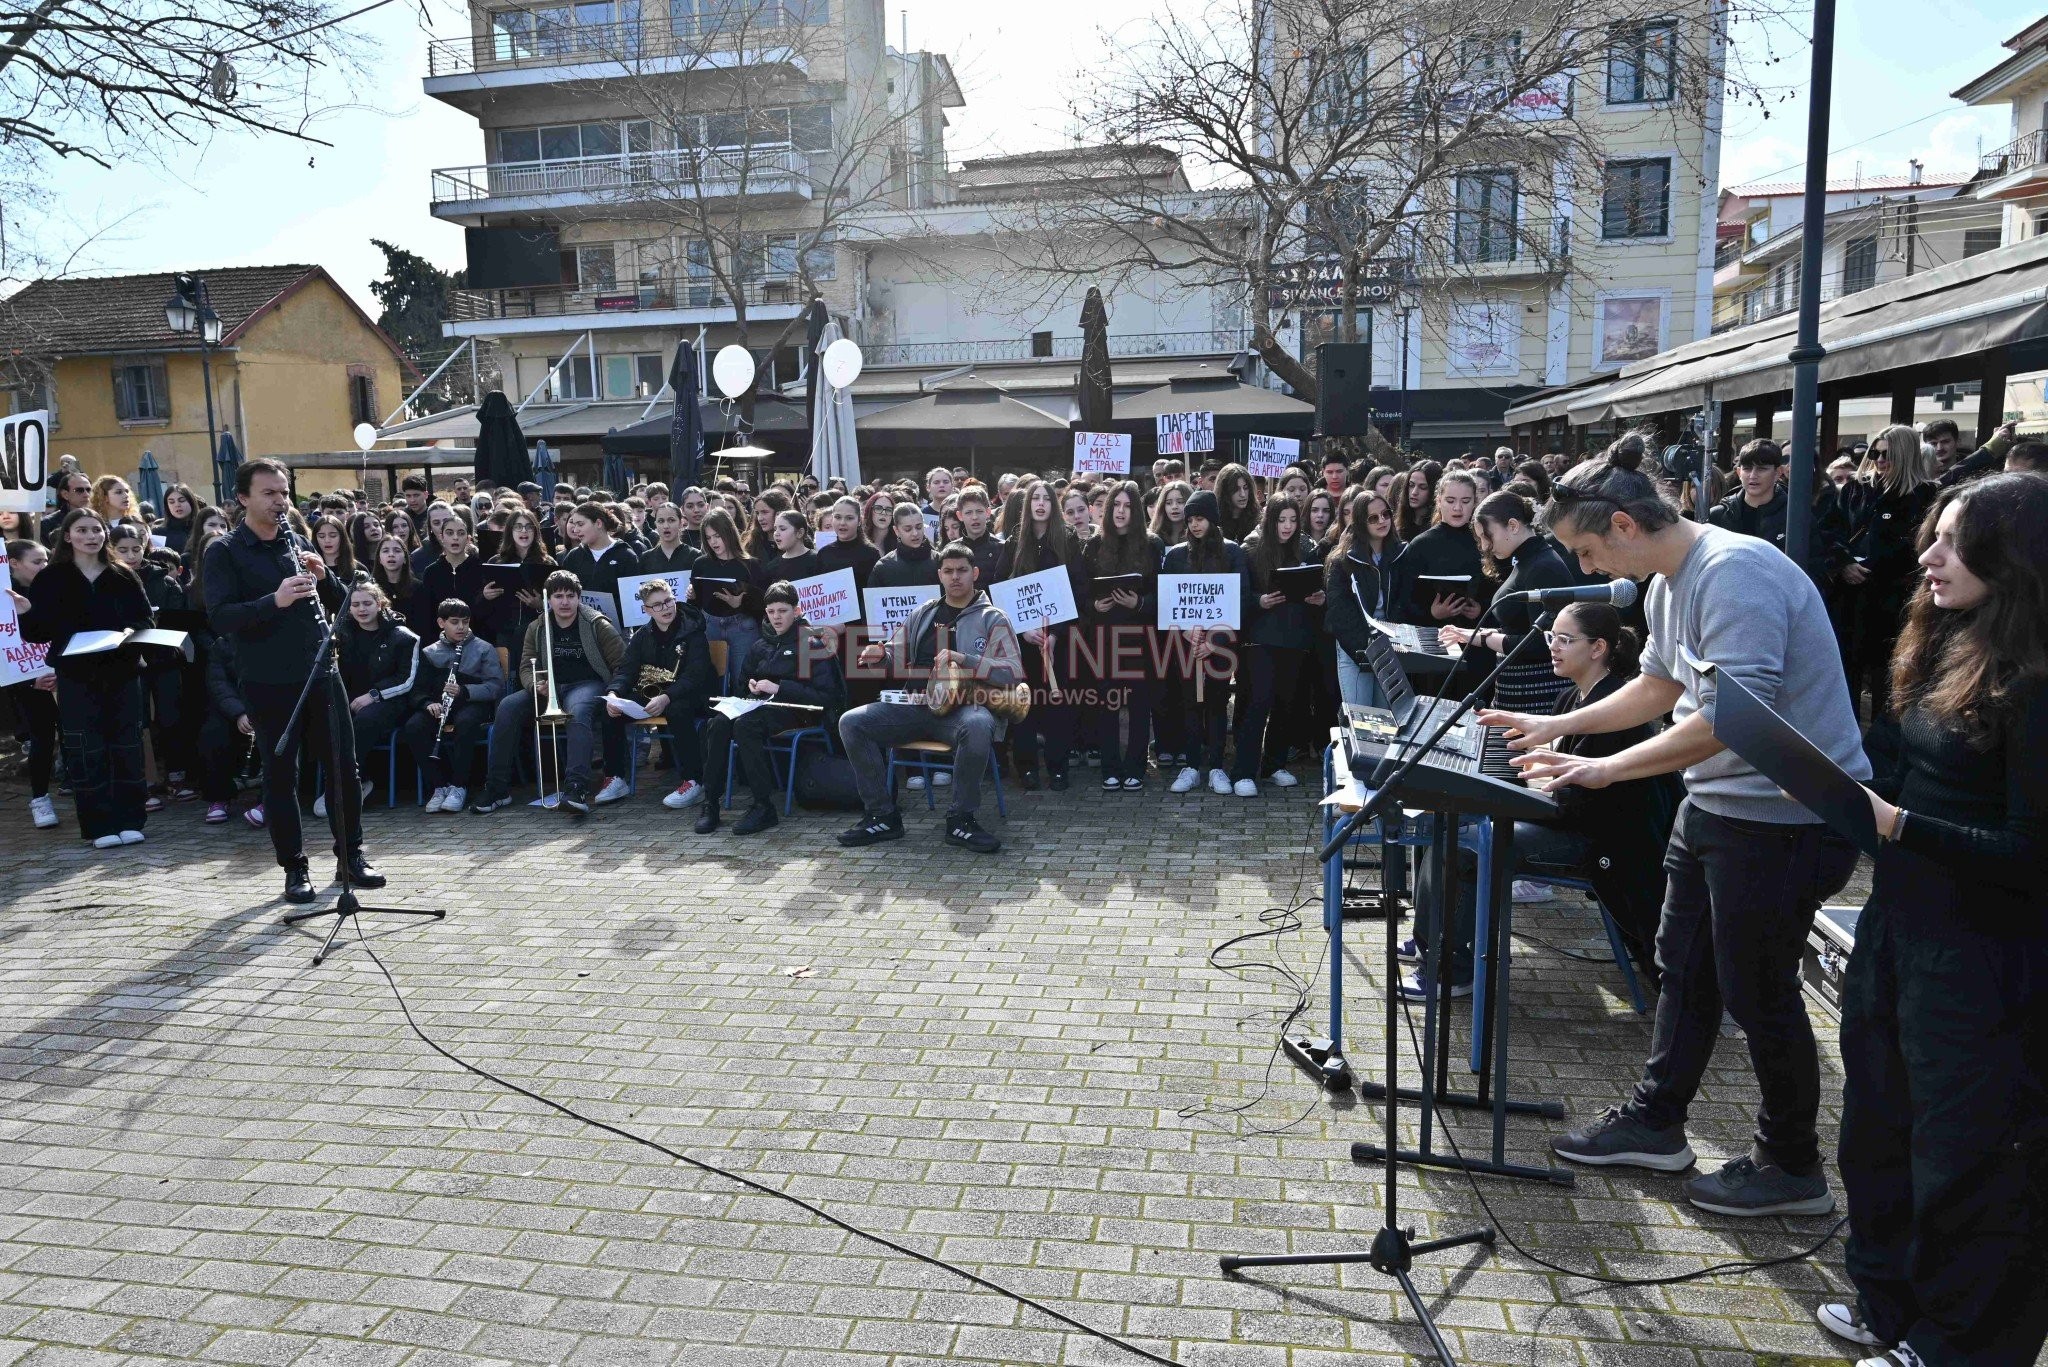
(1394, 1249)
(343, 783)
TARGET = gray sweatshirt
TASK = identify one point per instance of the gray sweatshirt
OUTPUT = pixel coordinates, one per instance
(1741, 605)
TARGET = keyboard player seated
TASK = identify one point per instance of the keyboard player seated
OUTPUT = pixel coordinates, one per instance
(1613, 837)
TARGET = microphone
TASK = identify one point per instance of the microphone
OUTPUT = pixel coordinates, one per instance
(1621, 593)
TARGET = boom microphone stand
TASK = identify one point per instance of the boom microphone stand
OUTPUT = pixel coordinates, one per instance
(343, 784)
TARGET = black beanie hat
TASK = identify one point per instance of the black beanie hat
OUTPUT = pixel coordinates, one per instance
(1204, 505)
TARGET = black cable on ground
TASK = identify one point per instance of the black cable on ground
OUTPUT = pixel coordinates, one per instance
(702, 1165)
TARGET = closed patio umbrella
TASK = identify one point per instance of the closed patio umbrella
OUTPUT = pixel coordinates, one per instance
(500, 446)
(835, 450)
(686, 423)
(226, 457)
(149, 483)
(544, 471)
(1094, 397)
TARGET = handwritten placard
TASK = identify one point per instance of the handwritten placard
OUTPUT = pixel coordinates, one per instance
(828, 600)
(632, 613)
(1036, 600)
(602, 603)
(19, 660)
(888, 609)
(1269, 457)
(931, 530)
(1190, 602)
(24, 461)
(1185, 434)
(1102, 453)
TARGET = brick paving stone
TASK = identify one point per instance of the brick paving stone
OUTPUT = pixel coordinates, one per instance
(211, 1151)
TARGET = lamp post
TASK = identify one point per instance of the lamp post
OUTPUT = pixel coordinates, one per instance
(188, 312)
(1807, 352)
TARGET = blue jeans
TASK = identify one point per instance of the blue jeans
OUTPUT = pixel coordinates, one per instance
(584, 702)
(869, 732)
(739, 632)
(1356, 684)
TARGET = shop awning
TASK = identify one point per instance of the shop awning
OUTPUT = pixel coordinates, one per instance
(1547, 404)
(1239, 407)
(962, 412)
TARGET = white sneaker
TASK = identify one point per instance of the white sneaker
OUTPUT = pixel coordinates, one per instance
(1901, 1356)
(1283, 779)
(614, 790)
(320, 805)
(43, 812)
(457, 799)
(438, 802)
(1219, 783)
(1187, 780)
(1245, 787)
(107, 842)
(1531, 892)
(942, 779)
(1845, 1322)
(131, 837)
(687, 795)
(915, 783)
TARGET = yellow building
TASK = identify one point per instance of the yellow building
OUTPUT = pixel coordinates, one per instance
(298, 365)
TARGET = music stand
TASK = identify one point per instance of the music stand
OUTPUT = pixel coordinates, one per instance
(341, 777)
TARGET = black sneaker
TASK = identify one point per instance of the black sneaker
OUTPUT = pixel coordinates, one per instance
(873, 830)
(1746, 1187)
(967, 833)
(707, 818)
(298, 881)
(491, 801)
(576, 797)
(1058, 783)
(759, 818)
(1615, 1141)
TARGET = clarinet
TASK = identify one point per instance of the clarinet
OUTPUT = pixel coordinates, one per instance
(447, 704)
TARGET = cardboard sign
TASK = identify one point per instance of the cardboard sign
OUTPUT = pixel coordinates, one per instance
(888, 609)
(1036, 600)
(1188, 602)
(1269, 457)
(602, 603)
(24, 462)
(635, 615)
(19, 660)
(1185, 434)
(931, 531)
(828, 600)
(1102, 453)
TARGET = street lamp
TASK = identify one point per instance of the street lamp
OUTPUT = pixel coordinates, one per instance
(190, 311)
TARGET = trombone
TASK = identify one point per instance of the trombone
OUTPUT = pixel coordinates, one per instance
(552, 715)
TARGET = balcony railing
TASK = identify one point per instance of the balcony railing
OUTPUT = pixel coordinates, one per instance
(2031, 150)
(663, 290)
(675, 173)
(1755, 306)
(1062, 348)
(521, 39)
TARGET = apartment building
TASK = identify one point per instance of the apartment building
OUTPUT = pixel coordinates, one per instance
(2014, 178)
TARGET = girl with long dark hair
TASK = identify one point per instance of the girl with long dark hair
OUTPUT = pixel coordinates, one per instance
(181, 510)
(523, 543)
(1944, 1138)
(1169, 518)
(1237, 499)
(1447, 547)
(846, 548)
(726, 585)
(1044, 541)
(1414, 496)
(1279, 640)
(331, 539)
(1519, 559)
(1121, 614)
(1353, 576)
(1204, 655)
(391, 571)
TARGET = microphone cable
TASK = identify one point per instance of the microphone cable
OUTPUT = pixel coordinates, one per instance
(703, 1165)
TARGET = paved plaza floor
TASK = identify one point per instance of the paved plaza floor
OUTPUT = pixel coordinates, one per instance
(212, 1151)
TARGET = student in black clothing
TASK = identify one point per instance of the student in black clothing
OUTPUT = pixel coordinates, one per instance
(596, 560)
(163, 676)
(1203, 719)
(911, 562)
(795, 674)
(1522, 559)
(1044, 541)
(847, 549)
(725, 585)
(1237, 502)
(74, 490)
(225, 735)
(331, 539)
(667, 668)
(392, 572)
(1758, 507)
(35, 701)
(669, 554)
(1944, 1040)
(1121, 616)
(793, 559)
(458, 726)
(458, 572)
(586, 651)
(380, 661)
(1448, 547)
(1279, 640)
(1354, 588)
(975, 534)
(1881, 573)
(100, 701)
(503, 621)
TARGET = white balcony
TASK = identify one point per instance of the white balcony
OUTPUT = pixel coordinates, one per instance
(763, 174)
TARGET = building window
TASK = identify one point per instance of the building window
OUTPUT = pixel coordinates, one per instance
(1635, 200)
(572, 381)
(1977, 241)
(1338, 97)
(1485, 218)
(596, 267)
(141, 392)
(1642, 62)
(574, 141)
(633, 377)
(362, 397)
(1859, 264)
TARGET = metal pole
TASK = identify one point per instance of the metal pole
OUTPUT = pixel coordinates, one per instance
(1806, 356)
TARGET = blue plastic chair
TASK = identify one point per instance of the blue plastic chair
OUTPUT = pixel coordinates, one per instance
(783, 746)
(922, 755)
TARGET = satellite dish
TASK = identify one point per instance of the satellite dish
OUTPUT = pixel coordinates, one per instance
(366, 436)
(843, 363)
(732, 369)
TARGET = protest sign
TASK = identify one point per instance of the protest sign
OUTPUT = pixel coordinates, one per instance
(1269, 457)
(1036, 600)
(678, 582)
(931, 531)
(828, 600)
(19, 660)
(24, 462)
(888, 609)
(602, 603)
(1185, 434)
(1102, 453)
(1189, 602)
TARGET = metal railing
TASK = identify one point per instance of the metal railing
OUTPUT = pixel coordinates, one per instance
(2018, 155)
(1213, 342)
(662, 290)
(1754, 306)
(540, 39)
(670, 173)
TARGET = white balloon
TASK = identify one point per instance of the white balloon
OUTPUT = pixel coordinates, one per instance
(366, 436)
(732, 370)
(843, 362)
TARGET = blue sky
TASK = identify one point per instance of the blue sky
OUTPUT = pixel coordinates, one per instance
(247, 201)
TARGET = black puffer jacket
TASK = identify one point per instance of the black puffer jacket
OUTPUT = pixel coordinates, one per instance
(803, 669)
(682, 651)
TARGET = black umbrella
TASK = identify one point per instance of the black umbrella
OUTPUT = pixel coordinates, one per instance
(1093, 396)
(686, 427)
(500, 446)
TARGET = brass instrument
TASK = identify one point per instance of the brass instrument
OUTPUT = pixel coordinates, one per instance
(448, 691)
(543, 747)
